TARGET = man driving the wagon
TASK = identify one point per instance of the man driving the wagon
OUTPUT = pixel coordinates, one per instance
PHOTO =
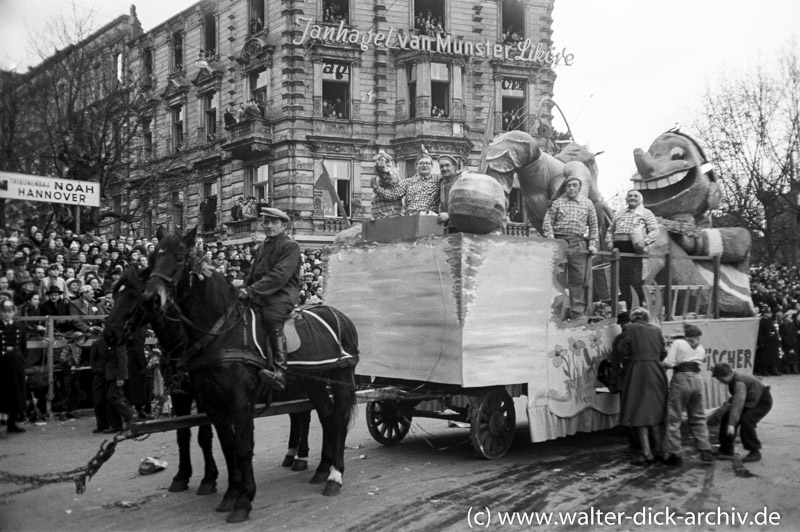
(273, 287)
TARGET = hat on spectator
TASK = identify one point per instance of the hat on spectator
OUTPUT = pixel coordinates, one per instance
(72, 280)
(691, 331)
(54, 289)
(53, 266)
(454, 158)
(423, 154)
(20, 261)
(623, 318)
(24, 245)
(272, 212)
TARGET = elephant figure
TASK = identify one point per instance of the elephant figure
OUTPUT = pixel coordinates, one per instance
(541, 176)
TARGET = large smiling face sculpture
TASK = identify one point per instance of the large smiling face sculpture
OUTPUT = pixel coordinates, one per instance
(675, 178)
(679, 185)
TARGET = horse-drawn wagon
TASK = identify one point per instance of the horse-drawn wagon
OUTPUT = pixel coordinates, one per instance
(478, 316)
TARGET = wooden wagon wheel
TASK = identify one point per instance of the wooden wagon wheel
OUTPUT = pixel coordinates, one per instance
(387, 423)
(493, 423)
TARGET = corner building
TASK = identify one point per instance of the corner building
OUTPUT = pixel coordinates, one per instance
(334, 82)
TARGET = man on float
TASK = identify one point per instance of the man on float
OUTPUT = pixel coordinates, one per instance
(421, 191)
(573, 218)
(450, 167)
(273, 286)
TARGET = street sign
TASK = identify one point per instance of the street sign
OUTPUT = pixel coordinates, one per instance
(49, 189)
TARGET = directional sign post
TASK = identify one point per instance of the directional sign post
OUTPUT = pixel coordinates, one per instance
(49, 189)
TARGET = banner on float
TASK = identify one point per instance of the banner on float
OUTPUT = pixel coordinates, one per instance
(731, 340)
(49, 189)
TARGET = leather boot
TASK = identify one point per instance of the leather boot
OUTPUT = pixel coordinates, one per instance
(276, 379)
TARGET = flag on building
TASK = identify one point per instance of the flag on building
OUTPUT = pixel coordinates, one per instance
(325, 184)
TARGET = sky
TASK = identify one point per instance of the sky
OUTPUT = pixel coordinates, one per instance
(640, 67)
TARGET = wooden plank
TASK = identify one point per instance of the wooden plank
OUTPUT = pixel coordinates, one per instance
(275, 409)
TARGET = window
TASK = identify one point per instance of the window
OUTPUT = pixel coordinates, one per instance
(177, 212)
(340, 173)
(335, 89)
(177, 52)
(210, 26)
(513, 21)
(335, 11)
(259, 184)
(208, 208)
(119, 64)
(412, 91)
(440, 90)
(258, 87)
(147, 136)
(515, 110)
(147, 61)
(429, 17)
(256, 16)
(210, 106)
(177, 128)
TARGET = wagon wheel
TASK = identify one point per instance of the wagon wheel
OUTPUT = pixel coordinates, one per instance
(493, 423)
(387, 423)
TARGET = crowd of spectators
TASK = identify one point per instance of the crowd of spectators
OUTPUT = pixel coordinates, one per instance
(512, 35)
(246, 111)
(59, 273)
(333, 108)
(31, 264)
(775, 290)
(256, 24)
(438, 112)
(334, 14)
(428, 24)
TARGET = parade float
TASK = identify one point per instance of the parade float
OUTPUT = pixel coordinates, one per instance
(480, 315)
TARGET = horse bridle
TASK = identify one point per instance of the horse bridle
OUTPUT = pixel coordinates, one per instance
(206, 335)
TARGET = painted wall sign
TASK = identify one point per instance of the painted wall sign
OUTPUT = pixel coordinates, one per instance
(49, 189)
(443, 44)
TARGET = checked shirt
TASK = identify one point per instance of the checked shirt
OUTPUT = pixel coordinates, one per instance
(421, 193)
(571, 216)
(627, 220)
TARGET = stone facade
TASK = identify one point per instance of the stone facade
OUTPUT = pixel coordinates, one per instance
(215, 54)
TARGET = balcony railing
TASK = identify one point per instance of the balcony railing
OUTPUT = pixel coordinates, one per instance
(242, 227)
(248, 136)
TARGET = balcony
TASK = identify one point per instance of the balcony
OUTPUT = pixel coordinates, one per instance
(242, 228)
(248, 138)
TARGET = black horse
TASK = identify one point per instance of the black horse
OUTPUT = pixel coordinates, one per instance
(225, 373)
(127, 315)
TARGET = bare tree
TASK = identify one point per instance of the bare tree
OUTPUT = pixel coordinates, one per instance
(749, 126)
(80, 114)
